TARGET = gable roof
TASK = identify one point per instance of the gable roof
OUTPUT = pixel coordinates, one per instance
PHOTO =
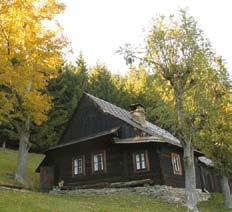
(126, 116)
(87, 138)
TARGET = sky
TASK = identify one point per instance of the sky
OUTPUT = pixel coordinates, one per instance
(98, 28)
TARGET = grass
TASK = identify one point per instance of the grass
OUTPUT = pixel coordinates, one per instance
(31, 201)
(34, 201)
(51, 202)
(8, 161)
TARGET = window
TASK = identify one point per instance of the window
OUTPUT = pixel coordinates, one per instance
(176, 164)
(98, 162)
(141, 161)
(78, 165)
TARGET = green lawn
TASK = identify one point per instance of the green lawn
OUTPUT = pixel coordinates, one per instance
(34, 201)
(8, 161)
(43, 202)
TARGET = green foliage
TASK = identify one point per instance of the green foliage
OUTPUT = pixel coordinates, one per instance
(65, 91)
(216, 134)
(100, 83)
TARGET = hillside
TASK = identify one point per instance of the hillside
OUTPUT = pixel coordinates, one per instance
(8, 161)
(35, 201)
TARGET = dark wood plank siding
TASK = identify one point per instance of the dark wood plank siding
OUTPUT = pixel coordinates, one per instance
(169, 178)
(153, 161)
(113, 162)
(119, 162)
(211, 179)
(46, 178)
(88, 119)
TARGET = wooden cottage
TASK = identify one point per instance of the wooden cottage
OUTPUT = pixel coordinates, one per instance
(105, 144)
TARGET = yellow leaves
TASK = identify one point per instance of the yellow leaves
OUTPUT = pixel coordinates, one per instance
(37, 106)
(30, 53)
(136, 81)
(5, 107)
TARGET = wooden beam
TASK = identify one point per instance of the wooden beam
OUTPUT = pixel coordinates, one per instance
(131, 183)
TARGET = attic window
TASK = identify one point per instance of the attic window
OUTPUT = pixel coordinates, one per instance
(140, 160)
(176, 164)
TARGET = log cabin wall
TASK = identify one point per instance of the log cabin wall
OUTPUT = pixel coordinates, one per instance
(168, 176)
(211, 179)
(88, 119)
(153, 171)
(66, 155)
(119, 162)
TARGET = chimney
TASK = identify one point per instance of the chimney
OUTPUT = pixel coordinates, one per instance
(138, 113)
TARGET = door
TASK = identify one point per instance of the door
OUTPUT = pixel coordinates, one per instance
(46, 177)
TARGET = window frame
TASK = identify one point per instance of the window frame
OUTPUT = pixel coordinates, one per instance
(103, 152)
(176, 161)
(83, 165)
(146, 160)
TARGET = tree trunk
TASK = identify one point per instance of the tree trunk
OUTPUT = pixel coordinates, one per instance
(189, 166)
(24, 146)
(226, 192)
(4, 145)
(190, 178)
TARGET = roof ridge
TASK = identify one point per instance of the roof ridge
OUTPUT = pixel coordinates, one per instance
(125, 116)
(90, 95)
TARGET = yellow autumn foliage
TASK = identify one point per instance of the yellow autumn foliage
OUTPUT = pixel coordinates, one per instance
(30, 54)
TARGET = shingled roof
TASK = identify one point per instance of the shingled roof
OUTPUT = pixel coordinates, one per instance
(126, 116)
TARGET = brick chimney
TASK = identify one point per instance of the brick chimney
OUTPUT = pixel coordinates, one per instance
(138, 113)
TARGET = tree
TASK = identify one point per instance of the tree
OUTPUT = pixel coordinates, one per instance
(101, 83)
(147, 88)
(30, 54)
(179, 55)
(216, 135)
(65, 91)
(137, 84)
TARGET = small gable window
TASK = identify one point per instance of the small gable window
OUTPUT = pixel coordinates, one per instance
(78, 165)
(141, 161)
(176, 164)
(98, 160)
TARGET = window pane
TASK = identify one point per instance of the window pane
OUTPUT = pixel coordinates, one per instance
(98, 162)
(99, 156)
(78, 166)
(140, 161)
(137, 158)
(95, 159)
(176, 164)
(138, 166)
(142, 157)
(143, 165)
(75, 166)
(101, 165)
(95, 166)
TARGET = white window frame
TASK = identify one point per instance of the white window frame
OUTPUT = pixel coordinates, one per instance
(98, 162)
(141, 161)
(176, 164)
(79, 165)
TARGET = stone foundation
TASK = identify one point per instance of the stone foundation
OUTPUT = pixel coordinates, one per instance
(166, 193)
